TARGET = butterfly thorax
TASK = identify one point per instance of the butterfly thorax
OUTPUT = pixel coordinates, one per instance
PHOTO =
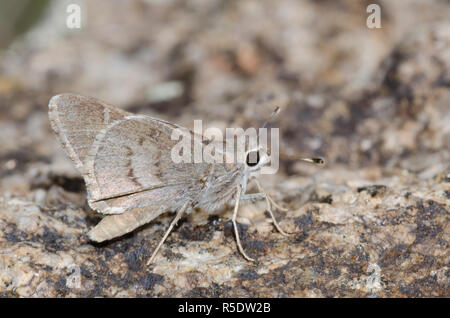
(220, 185)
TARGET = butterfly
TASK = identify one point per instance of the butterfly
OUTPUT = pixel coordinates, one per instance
(131, 177)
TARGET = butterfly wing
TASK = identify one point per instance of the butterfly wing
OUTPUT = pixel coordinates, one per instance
(125, 161)
(130, 161)
(77, 120)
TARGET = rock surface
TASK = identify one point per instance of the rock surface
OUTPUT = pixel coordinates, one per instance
(375, 103)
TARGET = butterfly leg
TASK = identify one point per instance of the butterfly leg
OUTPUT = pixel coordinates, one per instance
(269, 201)
(236, 232)
(174, 222)
(249, 198)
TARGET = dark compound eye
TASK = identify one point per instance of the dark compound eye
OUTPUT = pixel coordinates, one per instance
(252, 158)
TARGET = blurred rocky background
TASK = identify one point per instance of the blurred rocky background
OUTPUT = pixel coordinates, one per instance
(375, 103)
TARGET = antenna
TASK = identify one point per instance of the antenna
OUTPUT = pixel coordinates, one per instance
(317, 161)
(314, 160)
(274, 112)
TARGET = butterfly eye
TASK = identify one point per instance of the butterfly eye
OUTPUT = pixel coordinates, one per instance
(252, 158)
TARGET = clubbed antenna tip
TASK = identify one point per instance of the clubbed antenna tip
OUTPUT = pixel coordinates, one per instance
(318, 161)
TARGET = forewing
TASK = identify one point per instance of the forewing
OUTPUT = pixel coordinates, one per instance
(130, 165)
(124, 158)
(77, 120)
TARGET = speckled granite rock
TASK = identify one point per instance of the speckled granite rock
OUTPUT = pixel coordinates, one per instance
(353, 237)
(374, 222)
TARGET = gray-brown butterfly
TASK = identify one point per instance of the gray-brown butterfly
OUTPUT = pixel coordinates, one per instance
(129, 173)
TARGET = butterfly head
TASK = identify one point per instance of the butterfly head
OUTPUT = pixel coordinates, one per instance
(255, 159)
